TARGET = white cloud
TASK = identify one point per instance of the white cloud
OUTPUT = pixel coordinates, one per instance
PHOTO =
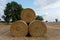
(54, 5)
(45, 15)
(52, 16)
(49, 8)
(2, 6)
(47, 3)
(40, 3)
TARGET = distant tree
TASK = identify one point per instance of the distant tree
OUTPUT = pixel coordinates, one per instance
(0, 20)
(12, 11)
(3, 17)
(46, 21)
(6, 19)
(39, 18)
(56, 20)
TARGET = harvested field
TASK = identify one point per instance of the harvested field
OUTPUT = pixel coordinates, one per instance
(53, 33)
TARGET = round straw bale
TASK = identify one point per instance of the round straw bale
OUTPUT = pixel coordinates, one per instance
(28, 15)
(19, 29)
(37, 28)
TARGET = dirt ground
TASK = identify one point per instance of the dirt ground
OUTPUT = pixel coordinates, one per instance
(53, 33)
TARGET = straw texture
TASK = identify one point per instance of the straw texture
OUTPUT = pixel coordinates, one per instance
(37, 28)
(19, 29)
(28, 15)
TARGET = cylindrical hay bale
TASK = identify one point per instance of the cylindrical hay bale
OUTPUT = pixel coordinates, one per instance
(19, 29)
(37, 28)
(28, 15)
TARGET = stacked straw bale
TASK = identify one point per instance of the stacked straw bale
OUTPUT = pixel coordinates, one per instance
(28, 15)
(34, 27)
(37, 28)
(19, 29)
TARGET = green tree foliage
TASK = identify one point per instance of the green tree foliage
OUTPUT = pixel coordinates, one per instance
(39, 18)
(0, 20)
(12, 11)
(6, 18)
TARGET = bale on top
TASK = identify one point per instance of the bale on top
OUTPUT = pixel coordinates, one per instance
(28, 15)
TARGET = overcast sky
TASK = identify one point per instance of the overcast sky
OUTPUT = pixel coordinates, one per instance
(49, 9)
